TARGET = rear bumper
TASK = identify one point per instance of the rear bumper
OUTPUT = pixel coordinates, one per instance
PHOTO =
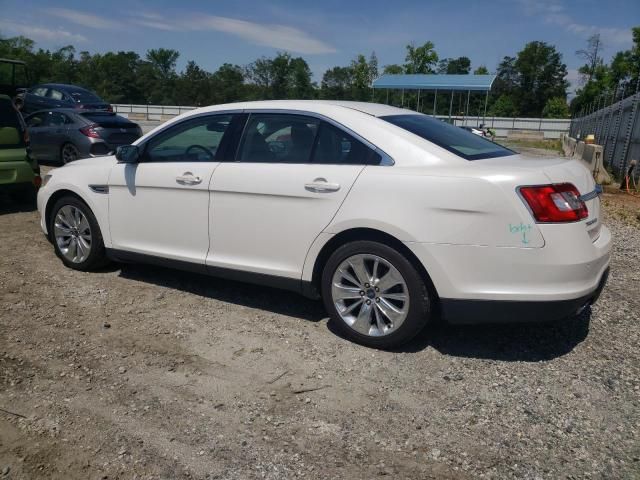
(473, 312)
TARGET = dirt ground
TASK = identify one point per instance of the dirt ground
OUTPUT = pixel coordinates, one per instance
(142, 372)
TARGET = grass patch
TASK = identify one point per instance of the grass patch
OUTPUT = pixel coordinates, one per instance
(550, 144)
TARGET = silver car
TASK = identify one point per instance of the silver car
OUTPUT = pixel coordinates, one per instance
(65, 135)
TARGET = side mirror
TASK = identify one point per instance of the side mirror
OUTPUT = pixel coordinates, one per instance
(128, 154)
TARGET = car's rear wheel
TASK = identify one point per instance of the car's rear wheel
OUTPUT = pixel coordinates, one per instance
(76, 236)
(69, 153)
(374, 295)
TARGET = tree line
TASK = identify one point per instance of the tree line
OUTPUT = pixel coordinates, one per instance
(532, 83)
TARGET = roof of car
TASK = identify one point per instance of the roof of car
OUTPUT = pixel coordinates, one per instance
(374, 109)
(60, 85)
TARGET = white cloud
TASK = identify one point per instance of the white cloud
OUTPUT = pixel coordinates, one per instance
(271, 35)
(85, 19)
(41, 33)
(554, 13)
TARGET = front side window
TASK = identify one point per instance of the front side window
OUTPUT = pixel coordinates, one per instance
(194, 140)
(334, 146)
(36, 120)
(457, 140)
(39, 91)
(278, 138)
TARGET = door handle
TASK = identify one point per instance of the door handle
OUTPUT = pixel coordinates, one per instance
(320, 185)
(187, 178)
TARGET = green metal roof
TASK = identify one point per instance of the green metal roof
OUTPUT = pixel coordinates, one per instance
(435, 82)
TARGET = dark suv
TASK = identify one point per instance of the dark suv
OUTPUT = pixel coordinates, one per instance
(19, 172)
(56, 95)
(14, 79)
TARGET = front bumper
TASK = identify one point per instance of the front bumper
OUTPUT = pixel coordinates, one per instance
(471, 312)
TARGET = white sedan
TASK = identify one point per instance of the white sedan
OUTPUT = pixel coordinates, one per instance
(392, 217)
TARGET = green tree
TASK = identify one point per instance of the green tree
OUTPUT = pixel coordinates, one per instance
(336, 84)
(421, 59)
(227, 84)
(556, 108)
(504, 106)
(393, 69)
(455, 66)
(481, 70)
(541, 76)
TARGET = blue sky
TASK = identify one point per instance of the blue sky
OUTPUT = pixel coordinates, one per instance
(324, 32)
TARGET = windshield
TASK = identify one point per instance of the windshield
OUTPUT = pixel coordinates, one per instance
(457, 140)
(84, 96)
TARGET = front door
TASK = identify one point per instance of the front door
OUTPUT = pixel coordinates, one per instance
(160, 206)
(291, 175)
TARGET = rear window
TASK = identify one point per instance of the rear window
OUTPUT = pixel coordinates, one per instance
(108, 119)
(84, 96)
(11, 126)
(461, 142)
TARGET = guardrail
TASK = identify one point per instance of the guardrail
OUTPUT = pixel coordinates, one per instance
(151, 112)
(549, 128)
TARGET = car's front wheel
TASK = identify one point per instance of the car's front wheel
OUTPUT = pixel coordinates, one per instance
(374, 295)
(76, 236)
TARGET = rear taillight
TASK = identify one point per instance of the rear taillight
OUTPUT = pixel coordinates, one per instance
(554, 203)
(90, 131)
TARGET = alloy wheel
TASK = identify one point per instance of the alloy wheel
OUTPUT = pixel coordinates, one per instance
(69, 153)
(370, 295)
(72, 232)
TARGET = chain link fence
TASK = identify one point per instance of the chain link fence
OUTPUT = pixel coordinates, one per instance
(616, 127)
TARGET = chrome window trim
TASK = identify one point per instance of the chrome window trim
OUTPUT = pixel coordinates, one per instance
(386, 159)
(143, 144)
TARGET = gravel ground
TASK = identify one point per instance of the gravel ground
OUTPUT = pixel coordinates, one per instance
(142, 372)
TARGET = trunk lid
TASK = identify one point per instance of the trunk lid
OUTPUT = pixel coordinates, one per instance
(560, 170)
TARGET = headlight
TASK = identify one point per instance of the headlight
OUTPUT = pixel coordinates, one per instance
(45, 179)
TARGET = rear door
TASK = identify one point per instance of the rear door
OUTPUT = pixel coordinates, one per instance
(291, 175)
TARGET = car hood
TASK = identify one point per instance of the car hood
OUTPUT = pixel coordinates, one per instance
(95, 162)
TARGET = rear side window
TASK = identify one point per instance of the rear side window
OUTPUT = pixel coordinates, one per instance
(334, 146)
(55, 94)
(11, 128)
(278, 138)
(458, 141)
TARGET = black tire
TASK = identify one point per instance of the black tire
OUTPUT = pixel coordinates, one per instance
(420, 302)
(97, 257)
(69, 153)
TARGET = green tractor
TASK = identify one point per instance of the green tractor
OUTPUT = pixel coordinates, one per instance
(14, 80)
